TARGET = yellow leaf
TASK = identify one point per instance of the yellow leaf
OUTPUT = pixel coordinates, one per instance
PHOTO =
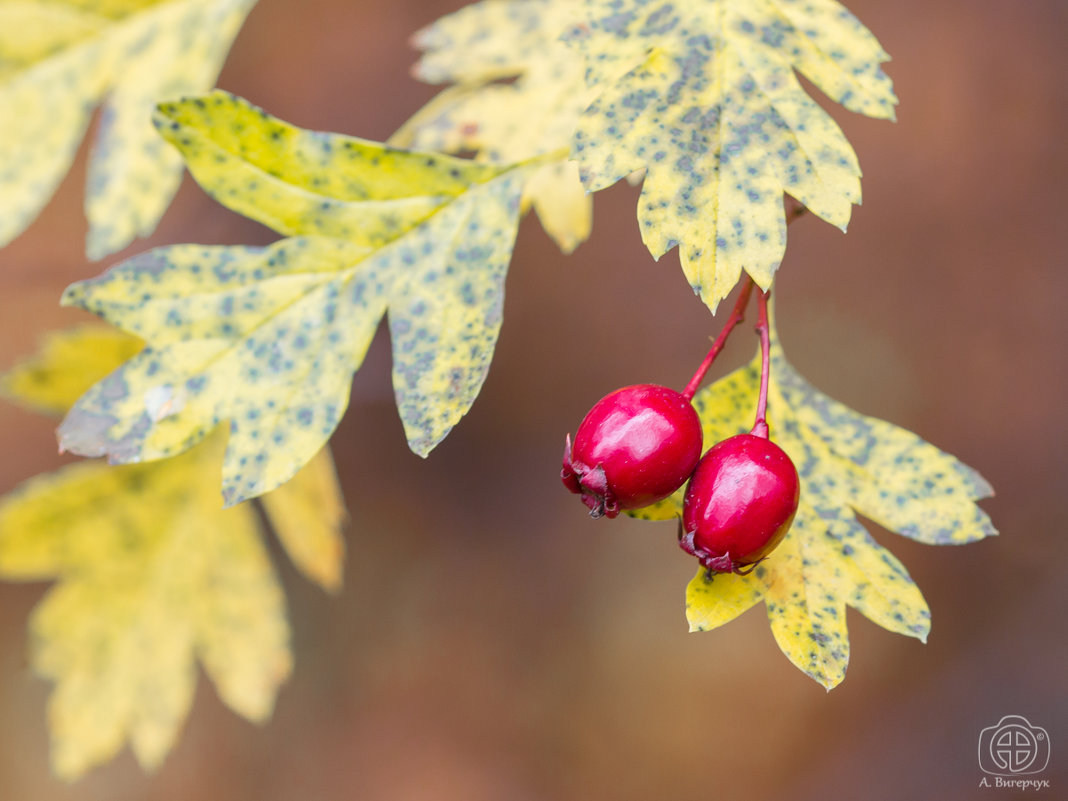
(268, 338)
(668, 509)
(848, 464)
(309, 183)
(492, 39)
(807, 620)
(703, 95)
(712, 601)
(307, 513)
(152, 576)
(58, 61)
(562, 204)
(67, 364)
(503, 123)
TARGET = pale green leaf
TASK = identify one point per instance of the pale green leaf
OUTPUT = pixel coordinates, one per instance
(703, 95)
(301, 182)
(507, 122)
(268, 338)
(848, 464)
(59, 61)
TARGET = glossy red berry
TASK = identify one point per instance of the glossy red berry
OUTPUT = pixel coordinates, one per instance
(739, 504)
(636, 446)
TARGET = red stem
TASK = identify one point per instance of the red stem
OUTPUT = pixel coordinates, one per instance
(760, 427)
(794, 209)
(737, 316)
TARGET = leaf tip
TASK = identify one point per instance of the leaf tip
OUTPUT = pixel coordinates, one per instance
(981, 488)
(73, 295)
(231, 497)
(163, 118)
(332, 583)
(422, 443)
(99, 245)
(828, 682)
(422, 39)
(83, 434)
(66, 769)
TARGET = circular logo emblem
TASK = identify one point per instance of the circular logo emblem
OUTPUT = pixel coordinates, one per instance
(1013, 747)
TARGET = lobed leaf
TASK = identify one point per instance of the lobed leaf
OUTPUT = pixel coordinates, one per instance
(896, 479)
(268, 338)
(807, 617)
(848, 464)
(702, 94)
(310, 183)
(59, 61)
(492, 39)
(152, 575)
(507, 122)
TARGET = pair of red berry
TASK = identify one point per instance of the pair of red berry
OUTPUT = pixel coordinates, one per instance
(640, 443)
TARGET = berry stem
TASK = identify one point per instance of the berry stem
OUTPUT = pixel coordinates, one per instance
(760, 427)
(737, 316)
(794, 209)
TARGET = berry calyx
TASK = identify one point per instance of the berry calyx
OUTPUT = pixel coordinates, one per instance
(740, 503)
(635, 447)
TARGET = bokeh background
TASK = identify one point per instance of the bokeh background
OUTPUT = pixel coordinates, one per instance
(492, 642)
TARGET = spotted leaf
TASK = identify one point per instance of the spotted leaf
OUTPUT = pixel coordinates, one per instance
(152, 575)
(849, 464)
(508, 121)
(268, 338)
(59, 61)
(703, 95)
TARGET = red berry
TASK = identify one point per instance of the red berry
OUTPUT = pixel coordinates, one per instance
(740, 503)
(636, 446)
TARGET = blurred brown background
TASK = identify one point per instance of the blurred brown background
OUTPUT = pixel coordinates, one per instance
(492, 642)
